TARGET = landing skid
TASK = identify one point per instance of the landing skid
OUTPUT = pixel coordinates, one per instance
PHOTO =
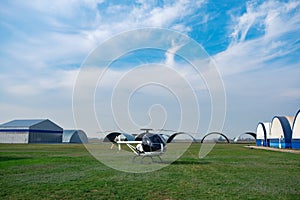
(142, 154)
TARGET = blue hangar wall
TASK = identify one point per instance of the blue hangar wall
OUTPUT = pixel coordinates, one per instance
(30, 131)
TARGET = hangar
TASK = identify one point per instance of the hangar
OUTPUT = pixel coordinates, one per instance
(30, 131)
(74, 136)
(262, 133)
(281, 132)
(296, 132)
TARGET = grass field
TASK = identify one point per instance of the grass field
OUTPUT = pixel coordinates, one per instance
(70, 172)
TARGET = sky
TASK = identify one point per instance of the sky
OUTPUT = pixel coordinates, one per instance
(45, 45)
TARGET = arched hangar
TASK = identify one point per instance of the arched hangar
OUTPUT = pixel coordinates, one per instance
(296, 132)
(263, 133)
(74, 136)
(281, 132)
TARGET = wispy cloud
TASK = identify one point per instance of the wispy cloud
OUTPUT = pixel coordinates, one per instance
(276, 25)
(260, 63)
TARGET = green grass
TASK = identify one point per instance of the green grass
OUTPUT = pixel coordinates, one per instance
(70, 172)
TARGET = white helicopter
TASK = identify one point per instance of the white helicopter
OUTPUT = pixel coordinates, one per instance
(144, 145)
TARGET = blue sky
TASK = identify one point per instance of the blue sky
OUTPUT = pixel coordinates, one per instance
(254, 44)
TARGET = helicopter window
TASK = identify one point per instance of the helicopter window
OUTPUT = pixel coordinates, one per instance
(152, 142)
(147, 140)
(155, 139)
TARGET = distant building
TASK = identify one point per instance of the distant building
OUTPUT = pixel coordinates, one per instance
(74, 136)
(30, 131)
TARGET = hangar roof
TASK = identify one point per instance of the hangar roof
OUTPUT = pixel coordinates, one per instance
(22, 123)
(32, 124)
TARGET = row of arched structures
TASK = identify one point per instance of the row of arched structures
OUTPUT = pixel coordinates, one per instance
(281, 132)
(111, 137)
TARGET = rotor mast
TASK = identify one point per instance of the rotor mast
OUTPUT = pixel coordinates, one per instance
(146, 129)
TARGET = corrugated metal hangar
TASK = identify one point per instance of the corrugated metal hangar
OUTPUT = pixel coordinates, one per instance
(30, 131)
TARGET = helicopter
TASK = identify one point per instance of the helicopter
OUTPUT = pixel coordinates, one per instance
(144, 145)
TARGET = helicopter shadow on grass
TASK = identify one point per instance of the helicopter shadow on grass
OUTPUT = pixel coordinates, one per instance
(149, 160)
(189, 162)
(11, 158)
(186, 162)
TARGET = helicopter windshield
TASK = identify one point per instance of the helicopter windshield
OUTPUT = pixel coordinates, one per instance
(152, 142)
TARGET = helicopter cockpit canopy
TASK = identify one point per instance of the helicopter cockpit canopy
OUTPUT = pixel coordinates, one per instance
(153, 142)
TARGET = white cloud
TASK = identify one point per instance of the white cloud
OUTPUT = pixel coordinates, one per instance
(65, 33)
(24, 87)
(170, 53)
(279, 38)
(260, 64)
(147, 14)
(293, 93)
